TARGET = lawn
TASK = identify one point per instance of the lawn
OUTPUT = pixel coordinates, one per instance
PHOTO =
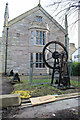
(42, 89)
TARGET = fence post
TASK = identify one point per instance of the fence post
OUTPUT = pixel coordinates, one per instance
(30, 74)
(70, 71)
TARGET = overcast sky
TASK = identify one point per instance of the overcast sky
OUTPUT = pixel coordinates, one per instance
(17, 7)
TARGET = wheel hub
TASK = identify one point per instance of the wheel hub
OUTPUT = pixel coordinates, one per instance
(55, 55)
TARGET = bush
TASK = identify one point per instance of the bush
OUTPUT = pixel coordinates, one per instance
(76, 69)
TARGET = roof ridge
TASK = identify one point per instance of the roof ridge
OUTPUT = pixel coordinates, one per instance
(44, 11)
(22, 14)
(54, 20)
(76, 50)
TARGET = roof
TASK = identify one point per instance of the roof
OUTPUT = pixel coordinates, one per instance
(39, 7)
(76, 50)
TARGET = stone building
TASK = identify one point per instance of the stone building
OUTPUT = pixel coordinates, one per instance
(72, 48)
(27, 35)
(76, 55)
(0, 55)
(79, 26)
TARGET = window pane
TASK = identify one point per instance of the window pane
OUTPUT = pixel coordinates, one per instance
(40, 38)
(36, 59)
(43, 34)
(32, 42)
(31, 57)
(31, 34)
(36, 40)
(39, 18)
(37, 37)
(40, 59)
(43, 41)
(44, 38)
(37, 33)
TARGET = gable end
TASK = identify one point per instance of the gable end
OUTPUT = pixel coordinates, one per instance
(22, 16)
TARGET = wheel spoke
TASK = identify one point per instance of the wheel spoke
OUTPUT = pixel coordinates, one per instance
(55, 54)
(48, 58)
(49, 50)
(55, 47)
(52, 48)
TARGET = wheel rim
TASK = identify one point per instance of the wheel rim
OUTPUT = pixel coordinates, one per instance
(55, 54)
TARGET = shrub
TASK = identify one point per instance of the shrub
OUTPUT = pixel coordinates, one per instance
(76, 69)
(23, 94)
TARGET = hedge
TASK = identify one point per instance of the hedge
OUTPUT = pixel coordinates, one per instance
(76, 69)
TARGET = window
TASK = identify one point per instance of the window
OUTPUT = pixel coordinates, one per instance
(44, 38)
(31, 57)
(18, 34)
(37, 38)
(77, 56)
(39, 18)
(36, 59)
(32, 36)
(74, 56)
(40, 38)
(40, 60)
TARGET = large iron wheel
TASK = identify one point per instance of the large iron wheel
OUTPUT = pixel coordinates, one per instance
(51, 52)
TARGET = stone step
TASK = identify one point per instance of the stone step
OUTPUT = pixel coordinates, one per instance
(10, 100)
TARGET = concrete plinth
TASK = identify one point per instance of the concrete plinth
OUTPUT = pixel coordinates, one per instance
(10, 100)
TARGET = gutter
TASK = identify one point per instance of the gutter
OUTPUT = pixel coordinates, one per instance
(6, 52)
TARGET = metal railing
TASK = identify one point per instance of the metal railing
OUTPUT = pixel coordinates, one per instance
(42, 75)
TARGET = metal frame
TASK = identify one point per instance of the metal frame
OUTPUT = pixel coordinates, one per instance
(56, 55)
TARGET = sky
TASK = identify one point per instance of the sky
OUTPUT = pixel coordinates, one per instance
(17, 7)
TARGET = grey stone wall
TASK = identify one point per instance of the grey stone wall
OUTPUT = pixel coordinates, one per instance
(0, 55)
(79, 26)
(19, 46)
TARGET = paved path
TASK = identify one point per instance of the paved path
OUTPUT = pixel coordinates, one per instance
(47, 109)
(5, 85)
(5, 88)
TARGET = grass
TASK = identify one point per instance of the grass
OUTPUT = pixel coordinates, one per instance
(75, 83)
(43, 89)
